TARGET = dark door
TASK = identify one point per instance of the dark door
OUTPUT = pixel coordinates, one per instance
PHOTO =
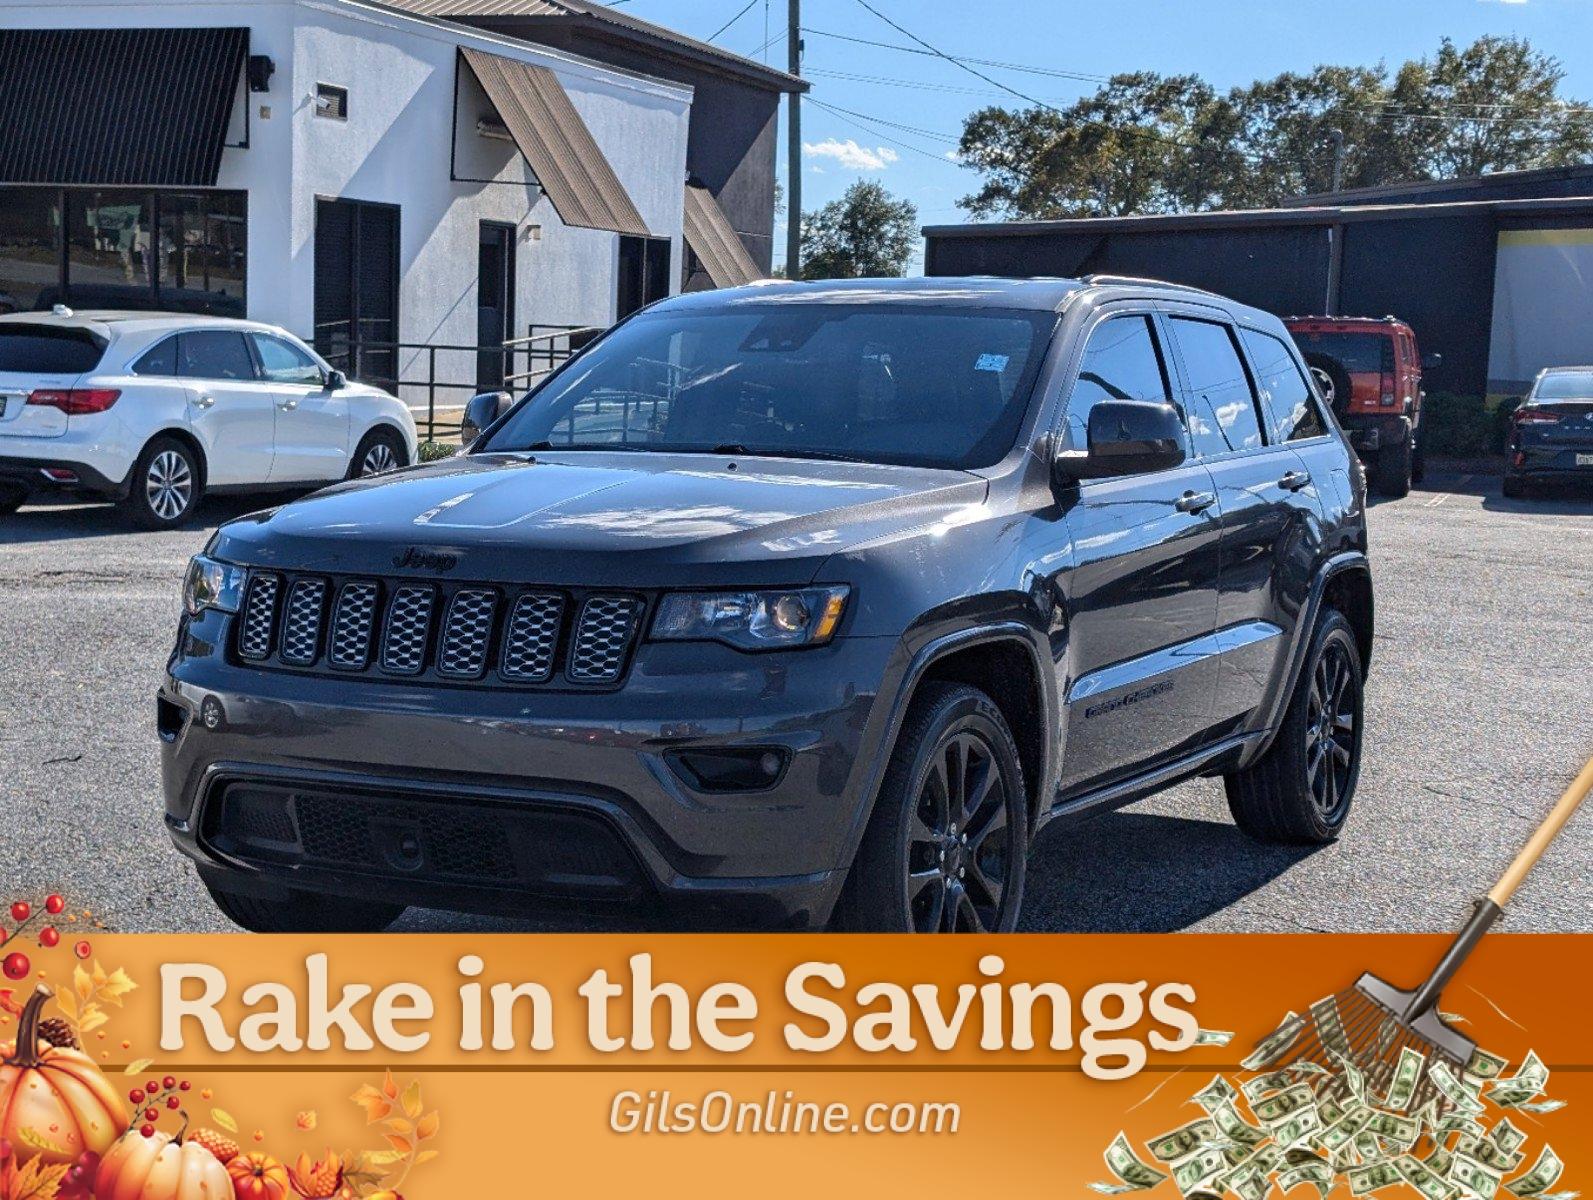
(494, 303)
(643, 274)
(1271, 522)
(1143, 589)
(356, 288)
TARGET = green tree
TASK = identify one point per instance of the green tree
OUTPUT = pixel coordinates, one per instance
(1146, 143)
(867, 232)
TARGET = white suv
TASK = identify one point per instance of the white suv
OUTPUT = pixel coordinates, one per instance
(155, 409)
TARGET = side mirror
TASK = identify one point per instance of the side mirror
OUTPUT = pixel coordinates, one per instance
(1126, 437)
(1429, 361)
(335, 380)
(481, 411)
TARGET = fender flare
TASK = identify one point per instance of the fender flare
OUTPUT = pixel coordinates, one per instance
(1304, 630)
(918, 666)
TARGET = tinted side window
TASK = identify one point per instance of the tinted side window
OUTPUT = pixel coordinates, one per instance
(1222, 409)
(283, 362)
(1293, 410)
(160, 359)
(44, 350)
(214, 354)
(1121, 362)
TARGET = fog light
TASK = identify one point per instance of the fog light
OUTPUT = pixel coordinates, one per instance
(750, 770)
(58, 474)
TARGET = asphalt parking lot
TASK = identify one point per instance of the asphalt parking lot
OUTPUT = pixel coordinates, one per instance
(1480, 709)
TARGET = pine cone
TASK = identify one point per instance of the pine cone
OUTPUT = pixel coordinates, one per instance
(58, 1033)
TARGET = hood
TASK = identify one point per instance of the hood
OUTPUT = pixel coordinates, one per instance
(599, 518)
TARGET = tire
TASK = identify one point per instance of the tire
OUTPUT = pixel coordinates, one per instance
(1514, 487)
(380, 451)
(11, 499)
(1283, 798)
(917, 870)
(1332, 380)
(1391, 475)
(304, 912)
(167, 485)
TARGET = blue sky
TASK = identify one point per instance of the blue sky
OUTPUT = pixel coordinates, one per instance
(1229, 42)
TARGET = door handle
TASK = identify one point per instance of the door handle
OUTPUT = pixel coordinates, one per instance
(1195, 502)
(1295, 480)
(204, 401)
(287, 405)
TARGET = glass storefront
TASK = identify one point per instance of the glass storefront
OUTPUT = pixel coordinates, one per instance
(123, 248)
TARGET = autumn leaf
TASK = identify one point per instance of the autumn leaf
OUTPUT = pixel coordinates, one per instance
(29, 1136)
(93, 1018)
(400, 1126)
(116, 985)
(306, 1120)
(402, 1144)
(375, 1104)
(412, 1099)
(138, 1067)
(82, 983)
(427, 1126)
(10, 1005)
(382, 1158)
(425, 1156)
(35, 1181)
(224, 1119)
(65, 1001)
(389, 1086)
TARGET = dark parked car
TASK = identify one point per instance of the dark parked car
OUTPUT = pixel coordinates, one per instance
(1551, 432)
(797, 605)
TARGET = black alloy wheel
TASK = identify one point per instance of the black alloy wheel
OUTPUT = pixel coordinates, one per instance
(1332, 731)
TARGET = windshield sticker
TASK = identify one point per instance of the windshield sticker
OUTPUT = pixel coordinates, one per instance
(991, 362)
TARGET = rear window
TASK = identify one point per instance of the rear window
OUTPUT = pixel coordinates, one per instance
(43, 350)
(1565, 385)
(1359, 352)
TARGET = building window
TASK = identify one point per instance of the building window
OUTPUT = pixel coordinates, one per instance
(643, 274)
(331, 102)
(123, 248)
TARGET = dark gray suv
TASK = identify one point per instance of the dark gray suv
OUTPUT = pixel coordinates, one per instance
(798, 605)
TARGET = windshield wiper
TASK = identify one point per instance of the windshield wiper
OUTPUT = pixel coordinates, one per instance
(535, 447)
(785, 452)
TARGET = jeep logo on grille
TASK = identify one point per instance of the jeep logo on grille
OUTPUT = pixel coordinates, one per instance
(426, 560)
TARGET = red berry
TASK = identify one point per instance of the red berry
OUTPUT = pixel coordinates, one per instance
(82, 950)
(136, 1095)
(184, 1086)
(88, 1160)
(21, 910)
(152, 1086)
(147, 1130)
(169, 1082)
(173, 1102)
(53, 903)
(152, 1114)
(49, 937)
(16, 965)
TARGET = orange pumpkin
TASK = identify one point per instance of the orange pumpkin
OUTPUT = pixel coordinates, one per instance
(258, 1177)
(56, 1094)
(161, 1167)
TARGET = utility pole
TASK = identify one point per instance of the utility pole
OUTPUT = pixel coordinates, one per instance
(793, 161)
(1336, 136)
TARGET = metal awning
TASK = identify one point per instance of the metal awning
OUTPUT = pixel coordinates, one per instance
(137, 107)
(563, 154)
(713, 240)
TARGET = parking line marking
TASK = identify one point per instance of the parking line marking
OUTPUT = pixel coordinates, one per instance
(1442, 496)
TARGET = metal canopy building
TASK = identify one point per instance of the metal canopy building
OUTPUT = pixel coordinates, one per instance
(1494, 273)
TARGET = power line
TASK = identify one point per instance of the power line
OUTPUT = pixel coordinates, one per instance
(916, 84)
(854, 119)
(983, 62)
(751, 4)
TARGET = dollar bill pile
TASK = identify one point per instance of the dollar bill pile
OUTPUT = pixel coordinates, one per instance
(1447, 1133)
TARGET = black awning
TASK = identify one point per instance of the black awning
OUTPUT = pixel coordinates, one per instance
(136, 107)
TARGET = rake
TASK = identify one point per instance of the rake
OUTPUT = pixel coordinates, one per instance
(1370, 1024)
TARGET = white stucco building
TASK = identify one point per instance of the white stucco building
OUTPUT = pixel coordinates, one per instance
(349, 170)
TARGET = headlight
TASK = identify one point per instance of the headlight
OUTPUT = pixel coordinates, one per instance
(752, 620)
(212, 584)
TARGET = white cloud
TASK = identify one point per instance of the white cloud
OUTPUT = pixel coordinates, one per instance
(850, 154)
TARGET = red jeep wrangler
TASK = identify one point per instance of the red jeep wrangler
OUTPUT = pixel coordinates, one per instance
(1369, 372)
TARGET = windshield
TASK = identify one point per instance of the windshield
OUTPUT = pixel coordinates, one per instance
(1359, 352)
(910, 384)
(47, 350)
(1565, 385)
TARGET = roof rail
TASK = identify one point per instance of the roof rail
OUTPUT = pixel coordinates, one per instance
(1097, 279)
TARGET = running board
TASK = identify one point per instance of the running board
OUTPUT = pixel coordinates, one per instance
(1128, 791)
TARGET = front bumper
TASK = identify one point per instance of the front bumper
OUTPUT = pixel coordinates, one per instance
(571, 796)
(1370, 432)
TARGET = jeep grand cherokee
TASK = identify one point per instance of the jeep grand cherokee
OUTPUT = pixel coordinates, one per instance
(800, 604)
